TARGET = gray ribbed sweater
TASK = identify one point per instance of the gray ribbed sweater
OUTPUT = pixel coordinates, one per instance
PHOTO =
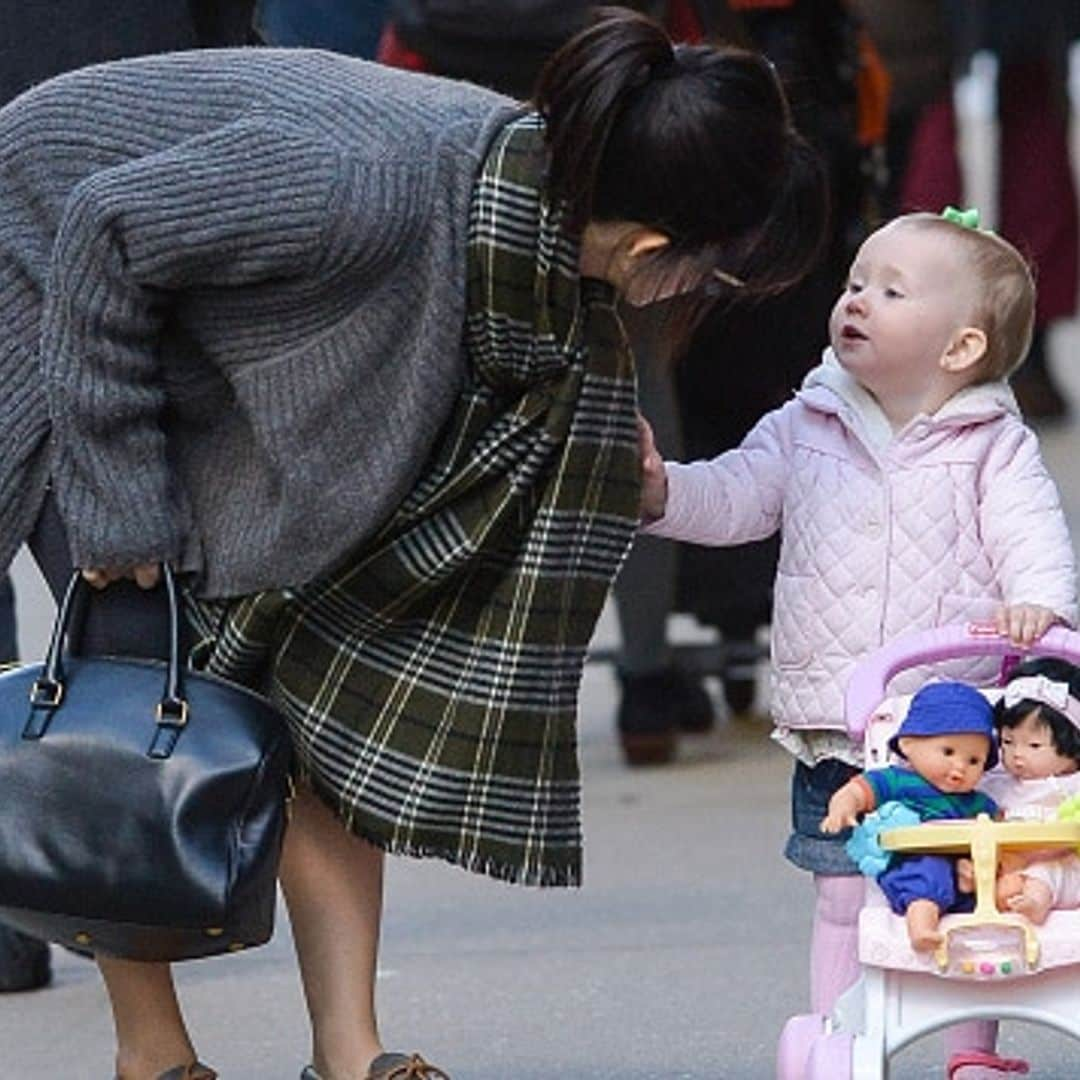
(234, 282)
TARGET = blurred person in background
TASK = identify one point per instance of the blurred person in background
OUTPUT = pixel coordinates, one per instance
(915, 44)
(1037, 208)
(348, 26)
(39, 41)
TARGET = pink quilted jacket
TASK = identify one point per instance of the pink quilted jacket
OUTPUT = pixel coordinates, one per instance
(880, 534)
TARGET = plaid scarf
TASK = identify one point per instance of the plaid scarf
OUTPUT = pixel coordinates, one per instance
(430, 681)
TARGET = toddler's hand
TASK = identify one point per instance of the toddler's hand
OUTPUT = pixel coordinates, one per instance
(653, 474)
(1024, 624)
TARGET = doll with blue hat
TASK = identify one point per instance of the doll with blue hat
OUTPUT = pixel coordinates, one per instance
(945, 744)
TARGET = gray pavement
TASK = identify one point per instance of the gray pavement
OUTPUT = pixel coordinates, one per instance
(679, 958)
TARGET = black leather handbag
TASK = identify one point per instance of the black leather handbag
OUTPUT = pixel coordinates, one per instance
(142, 807)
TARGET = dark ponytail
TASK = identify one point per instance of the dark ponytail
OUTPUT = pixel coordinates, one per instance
(695, 141)
(581, 91)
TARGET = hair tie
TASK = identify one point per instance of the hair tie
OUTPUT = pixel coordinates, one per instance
(966, 219)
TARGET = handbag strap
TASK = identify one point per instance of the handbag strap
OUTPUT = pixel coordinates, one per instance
(47, 691)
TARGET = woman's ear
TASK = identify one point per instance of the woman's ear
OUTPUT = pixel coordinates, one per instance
(645, 241)
(965, 351)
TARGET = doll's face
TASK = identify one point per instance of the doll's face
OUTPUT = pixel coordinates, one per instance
(952, 763)
(1028, 752)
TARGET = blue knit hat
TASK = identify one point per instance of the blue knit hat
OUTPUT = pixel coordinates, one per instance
(949, 708)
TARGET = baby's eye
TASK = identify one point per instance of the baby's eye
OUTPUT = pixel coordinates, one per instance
(854, 286)
(894, 294)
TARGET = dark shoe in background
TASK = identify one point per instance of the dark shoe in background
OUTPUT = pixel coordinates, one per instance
(654, 708)
(1036, 392)
(24, 962)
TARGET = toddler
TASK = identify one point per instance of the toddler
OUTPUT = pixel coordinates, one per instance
(946, 742)
(908, 494)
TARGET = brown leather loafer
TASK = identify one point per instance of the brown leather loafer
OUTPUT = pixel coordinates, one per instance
(404, 1067)
(195, 1071)
(393, 1067)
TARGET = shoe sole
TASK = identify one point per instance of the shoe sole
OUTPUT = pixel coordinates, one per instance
(648, 749)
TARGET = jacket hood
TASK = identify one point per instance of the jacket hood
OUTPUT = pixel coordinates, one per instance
(830, 389)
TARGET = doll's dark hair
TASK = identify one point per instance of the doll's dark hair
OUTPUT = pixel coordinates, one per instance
(695, 141)
(1063, 732)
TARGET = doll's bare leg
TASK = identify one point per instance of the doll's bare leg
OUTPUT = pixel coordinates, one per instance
(1034, 902)
(333, 887)
(150, 1033)
(922, 917)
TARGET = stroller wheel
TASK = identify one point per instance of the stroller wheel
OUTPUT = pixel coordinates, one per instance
(830, 1057)
(799, 1034)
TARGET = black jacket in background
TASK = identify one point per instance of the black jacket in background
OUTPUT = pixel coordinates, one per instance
(40, 40)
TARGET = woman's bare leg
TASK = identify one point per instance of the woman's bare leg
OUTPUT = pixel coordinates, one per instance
(333, 886)
(150, 1033)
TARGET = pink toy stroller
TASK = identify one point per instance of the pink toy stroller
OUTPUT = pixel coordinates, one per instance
(991, 965)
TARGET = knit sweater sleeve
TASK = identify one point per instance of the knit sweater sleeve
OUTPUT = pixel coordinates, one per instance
(241, 204)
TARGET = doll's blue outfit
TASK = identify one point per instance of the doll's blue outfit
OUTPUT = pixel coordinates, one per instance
(924, 877)
(947, 708)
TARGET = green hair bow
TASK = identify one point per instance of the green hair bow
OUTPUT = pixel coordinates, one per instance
(967, 219)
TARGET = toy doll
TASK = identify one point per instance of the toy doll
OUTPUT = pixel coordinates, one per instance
(946, 742)
(1038, 725)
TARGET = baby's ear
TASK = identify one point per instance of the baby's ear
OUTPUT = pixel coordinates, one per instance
(965, 351)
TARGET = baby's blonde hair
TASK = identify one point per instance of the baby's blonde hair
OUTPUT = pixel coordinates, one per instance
(1005, 302)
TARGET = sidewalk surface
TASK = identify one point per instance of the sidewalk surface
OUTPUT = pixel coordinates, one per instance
(680, 958)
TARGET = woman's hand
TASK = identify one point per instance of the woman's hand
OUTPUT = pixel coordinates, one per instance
(653, 474)
(145, 575)
(1024, 624)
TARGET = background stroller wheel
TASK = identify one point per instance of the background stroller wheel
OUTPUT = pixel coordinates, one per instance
(830, 1057)
(793, 1050)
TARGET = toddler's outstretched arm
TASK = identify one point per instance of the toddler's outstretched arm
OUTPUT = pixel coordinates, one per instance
(653, 474)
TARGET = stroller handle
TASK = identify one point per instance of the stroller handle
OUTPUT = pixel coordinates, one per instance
(866, 688)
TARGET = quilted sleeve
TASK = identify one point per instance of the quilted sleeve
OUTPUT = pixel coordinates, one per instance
(1023, 526)
(734, 498)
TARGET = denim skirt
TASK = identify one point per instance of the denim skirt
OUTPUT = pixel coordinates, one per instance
(807, 846)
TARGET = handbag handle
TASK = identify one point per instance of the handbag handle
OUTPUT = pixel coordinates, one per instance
(47, 691)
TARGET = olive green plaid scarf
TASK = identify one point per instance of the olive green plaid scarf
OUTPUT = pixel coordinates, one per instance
(430, 682)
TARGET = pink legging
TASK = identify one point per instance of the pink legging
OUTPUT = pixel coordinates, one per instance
(834, 942)
(834, 958)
